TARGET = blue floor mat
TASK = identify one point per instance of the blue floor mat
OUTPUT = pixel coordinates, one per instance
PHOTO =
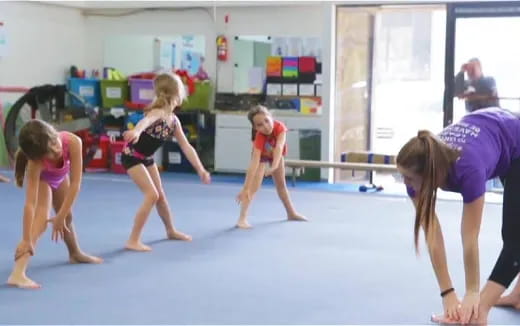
(353, 263)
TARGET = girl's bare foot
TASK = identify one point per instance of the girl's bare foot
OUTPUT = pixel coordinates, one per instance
(81, 258)
(22, 282)
(176, 235)
(137, 246)
(4, 179)
(297, 217)
(481, 320)
(243, 225)
(511, 300)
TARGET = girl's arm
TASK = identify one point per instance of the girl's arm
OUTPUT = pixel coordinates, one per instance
(437, 251)
(438, 259)
(278, 150)
(470, 229)
(76, 174)
(253, 167)
(31, 196)
(187, 149)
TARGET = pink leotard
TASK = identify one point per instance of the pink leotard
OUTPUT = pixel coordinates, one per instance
(54, 176)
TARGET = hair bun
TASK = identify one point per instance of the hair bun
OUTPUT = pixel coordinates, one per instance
(422, 134)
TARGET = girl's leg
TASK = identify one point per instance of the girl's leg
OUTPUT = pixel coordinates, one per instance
(512, 299)
(163, 208)
(283, 193)
(71, 239)
(244, 207)
(507, 266)
(18, 277)
(143, 180)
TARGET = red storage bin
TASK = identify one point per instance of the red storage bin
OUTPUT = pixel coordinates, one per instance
(116, 149)
(100, 159)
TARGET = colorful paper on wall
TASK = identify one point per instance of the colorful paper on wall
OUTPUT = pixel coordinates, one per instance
(274, 89)
(310, 105)
(307, 65)
(191, 62)
(274, 66)
(290, 67)
(256, 80)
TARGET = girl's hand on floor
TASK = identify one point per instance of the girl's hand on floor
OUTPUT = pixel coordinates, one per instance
(452, 306)
(59, 228)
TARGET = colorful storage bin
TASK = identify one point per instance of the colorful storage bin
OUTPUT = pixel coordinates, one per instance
(200, 99)
(114, 92)
(116, 150)
(86, 88)
(141, 91)
(100, 159)
(174, 159)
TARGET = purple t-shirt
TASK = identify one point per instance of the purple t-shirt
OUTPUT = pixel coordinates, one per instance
(489, 140)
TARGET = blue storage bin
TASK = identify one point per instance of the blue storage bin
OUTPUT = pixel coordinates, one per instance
(174, 159)
(88, 89)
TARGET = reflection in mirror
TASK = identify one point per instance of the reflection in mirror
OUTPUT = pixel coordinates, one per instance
(250, 55)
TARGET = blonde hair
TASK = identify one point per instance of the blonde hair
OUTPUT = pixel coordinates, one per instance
(169, 93)
(431, 158)
(35, 140)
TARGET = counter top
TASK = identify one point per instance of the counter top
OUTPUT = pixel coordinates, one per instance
(277, 113)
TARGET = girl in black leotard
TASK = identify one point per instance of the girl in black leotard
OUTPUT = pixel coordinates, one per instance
(158, 125)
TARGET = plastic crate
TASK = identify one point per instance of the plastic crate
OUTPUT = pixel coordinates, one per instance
(116, 150)
(174, 159)
(114, 92)
(88, 89)
(200, 99)
(141, 91)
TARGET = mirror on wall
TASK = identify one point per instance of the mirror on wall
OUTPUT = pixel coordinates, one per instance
(250, 55)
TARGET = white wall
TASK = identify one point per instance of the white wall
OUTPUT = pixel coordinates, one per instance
(328, 17)
(43, 42)
(265, 20)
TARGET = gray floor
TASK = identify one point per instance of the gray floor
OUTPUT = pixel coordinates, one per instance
(353, 264)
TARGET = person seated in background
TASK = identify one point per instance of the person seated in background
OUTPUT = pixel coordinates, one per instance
(478, 90)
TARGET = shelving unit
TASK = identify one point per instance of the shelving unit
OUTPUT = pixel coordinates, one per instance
(199, 127)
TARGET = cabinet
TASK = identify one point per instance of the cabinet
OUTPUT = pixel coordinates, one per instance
(233, 139)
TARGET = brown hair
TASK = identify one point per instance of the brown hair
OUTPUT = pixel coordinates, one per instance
(431, 158)
(34, 141)
(257, 109)
(169, 93)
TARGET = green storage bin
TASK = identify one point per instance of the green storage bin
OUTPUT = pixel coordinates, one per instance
(310, 149)
(199, 100)
(114, 93)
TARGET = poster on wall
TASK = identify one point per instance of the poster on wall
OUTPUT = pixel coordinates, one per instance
(184, 52)
(3, 40)
(296, 47)
(311, 47)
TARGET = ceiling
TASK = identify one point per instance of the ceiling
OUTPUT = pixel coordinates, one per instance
(221, 3)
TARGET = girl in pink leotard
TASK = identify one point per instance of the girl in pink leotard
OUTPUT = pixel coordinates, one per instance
(51, 163)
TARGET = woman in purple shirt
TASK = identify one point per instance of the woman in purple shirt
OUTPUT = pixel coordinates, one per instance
(485, 144)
